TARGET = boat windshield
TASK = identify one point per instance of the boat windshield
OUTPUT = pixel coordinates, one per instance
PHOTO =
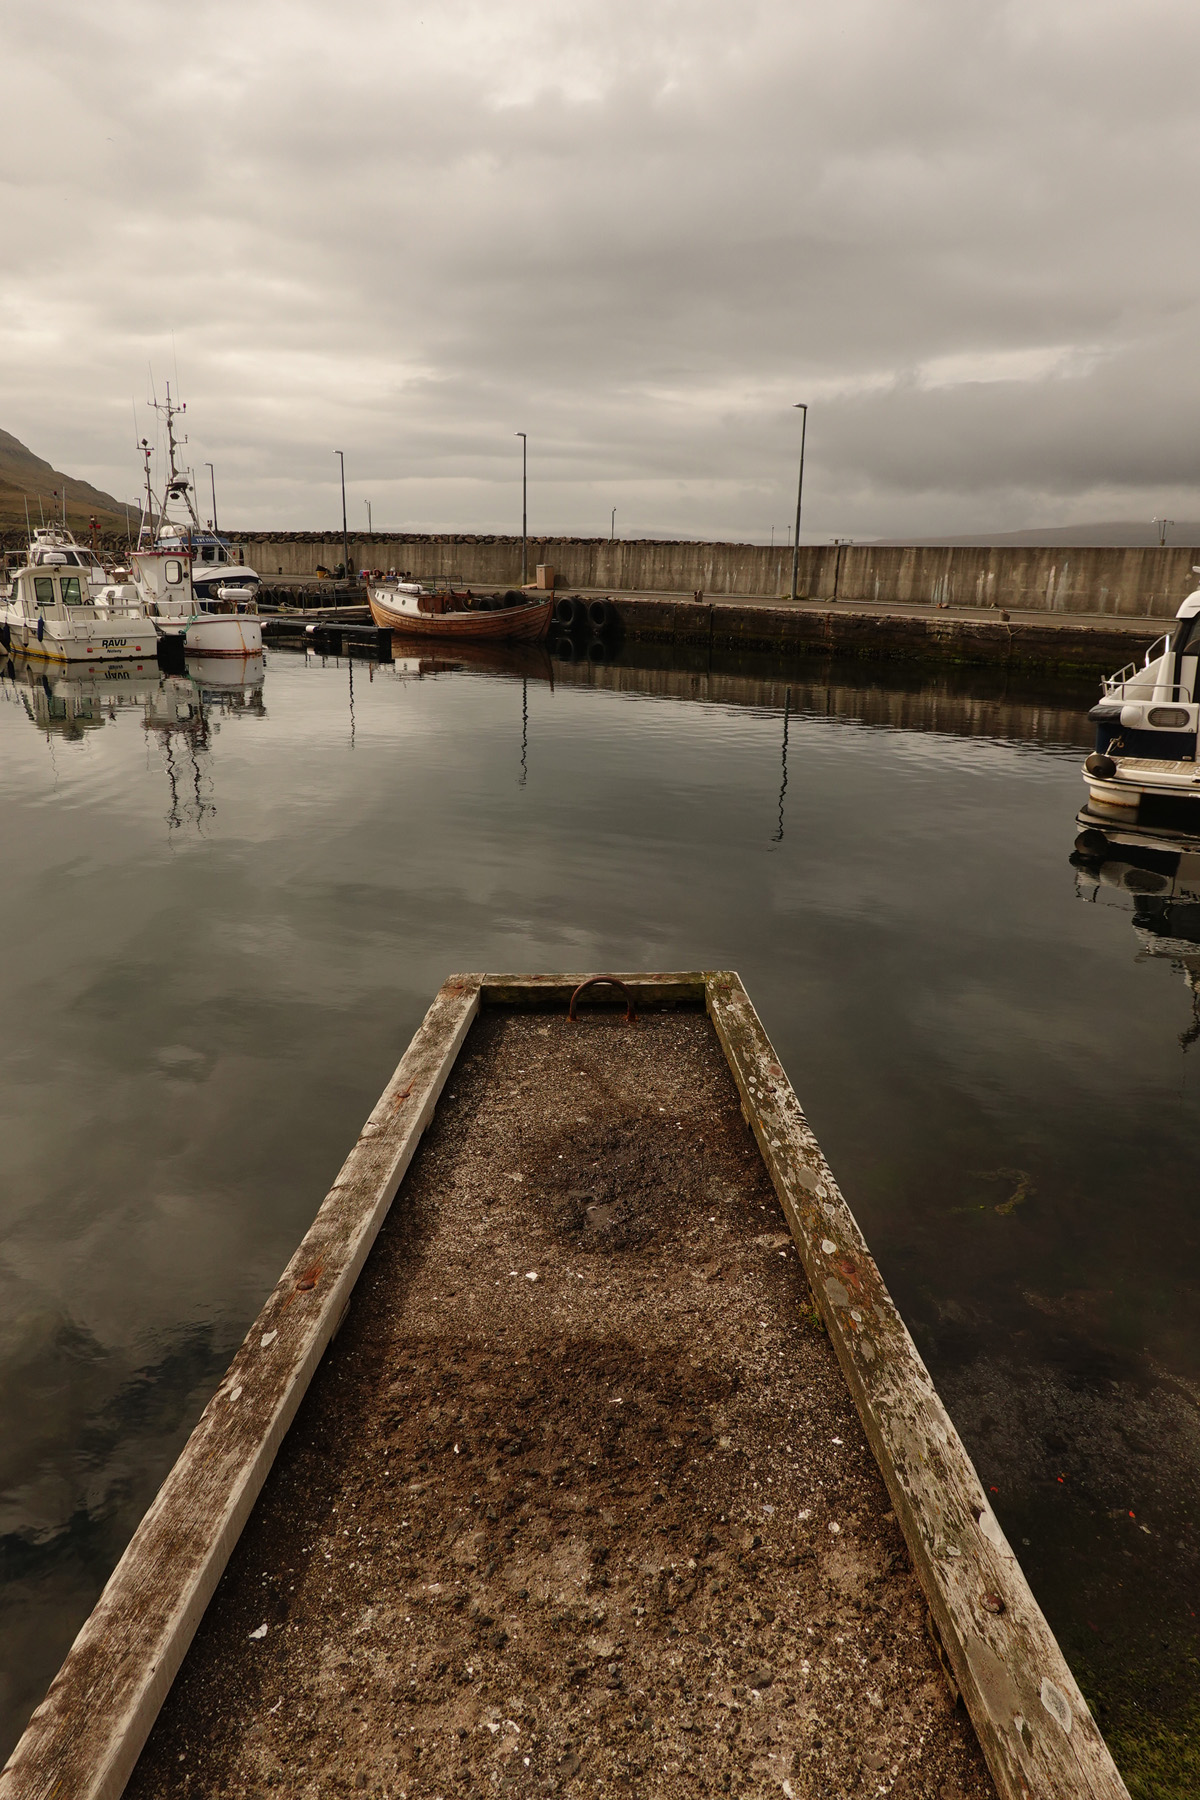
(43, 588)
(70, 590)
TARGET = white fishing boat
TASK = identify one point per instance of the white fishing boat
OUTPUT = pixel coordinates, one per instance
(186, 574)
(50, 614)
(1143, 772)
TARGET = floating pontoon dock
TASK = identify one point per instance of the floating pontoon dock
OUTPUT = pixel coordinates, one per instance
(586, 1496)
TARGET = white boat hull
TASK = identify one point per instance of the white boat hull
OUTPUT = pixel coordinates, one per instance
(224, 634)
(82, 641)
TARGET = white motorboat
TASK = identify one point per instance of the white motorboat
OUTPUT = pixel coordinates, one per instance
(186, 575)
(1143, 772)
(49, 613)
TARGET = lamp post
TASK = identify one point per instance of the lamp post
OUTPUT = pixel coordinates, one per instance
(370, 527)
(801, 407)
(524, 510)
(612, 525)
(345, 533)
(213, 480)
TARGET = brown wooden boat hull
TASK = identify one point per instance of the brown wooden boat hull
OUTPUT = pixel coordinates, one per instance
(528, 623)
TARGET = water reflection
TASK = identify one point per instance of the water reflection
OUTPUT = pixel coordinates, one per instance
(529, 661)
(1161, 880)
(787, 708)
(943, 1004)
(182, 712)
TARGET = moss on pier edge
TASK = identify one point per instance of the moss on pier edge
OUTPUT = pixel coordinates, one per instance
(1156, 1748)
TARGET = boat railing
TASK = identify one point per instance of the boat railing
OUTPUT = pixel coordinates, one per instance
(1114, 685)
(119, 609)
(1178, 693)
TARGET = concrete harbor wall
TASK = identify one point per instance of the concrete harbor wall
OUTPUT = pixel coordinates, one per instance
(1130, 583)
(1054, 645)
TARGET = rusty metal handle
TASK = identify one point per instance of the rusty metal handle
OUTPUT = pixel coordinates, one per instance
(604, 981)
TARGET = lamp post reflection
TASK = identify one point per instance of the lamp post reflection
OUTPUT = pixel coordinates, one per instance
(787, 707)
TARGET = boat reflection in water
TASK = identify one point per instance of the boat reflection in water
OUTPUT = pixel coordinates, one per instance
(531, 662)
(184, 712)
(1161, 877)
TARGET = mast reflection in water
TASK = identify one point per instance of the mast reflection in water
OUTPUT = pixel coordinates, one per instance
(181, 712)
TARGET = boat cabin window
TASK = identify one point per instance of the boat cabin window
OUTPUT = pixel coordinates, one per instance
(207, 554)
(173, 571)
(1184, 640)
(70, 590)
(43, 588)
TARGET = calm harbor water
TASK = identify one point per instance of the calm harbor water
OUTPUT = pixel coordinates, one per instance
(224, 911)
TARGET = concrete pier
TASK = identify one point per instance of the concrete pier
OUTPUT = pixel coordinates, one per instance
(624, 1468)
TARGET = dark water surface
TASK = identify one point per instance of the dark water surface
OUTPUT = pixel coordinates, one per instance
(223, 916)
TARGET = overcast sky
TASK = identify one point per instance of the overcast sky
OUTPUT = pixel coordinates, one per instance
(963, 230)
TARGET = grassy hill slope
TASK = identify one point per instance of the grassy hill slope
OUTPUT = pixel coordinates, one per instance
(24, 474)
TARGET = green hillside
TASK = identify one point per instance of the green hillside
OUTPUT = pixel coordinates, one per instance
(22, 474)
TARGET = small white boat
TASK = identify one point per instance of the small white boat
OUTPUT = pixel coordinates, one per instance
(49, 613)
(1143, 772)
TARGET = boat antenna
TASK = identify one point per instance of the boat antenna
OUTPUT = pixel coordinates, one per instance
(28, 526)
(41, 510)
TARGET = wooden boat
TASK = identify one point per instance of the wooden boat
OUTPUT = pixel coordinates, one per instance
(407, 607)
(587, 1484)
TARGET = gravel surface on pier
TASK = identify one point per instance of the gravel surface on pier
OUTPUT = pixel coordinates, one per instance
(577, 1503)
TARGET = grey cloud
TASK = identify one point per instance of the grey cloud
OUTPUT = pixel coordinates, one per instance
(637, 232)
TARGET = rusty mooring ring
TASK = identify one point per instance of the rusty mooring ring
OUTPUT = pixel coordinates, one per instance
(605, 981)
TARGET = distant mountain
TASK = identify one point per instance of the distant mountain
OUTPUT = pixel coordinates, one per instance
(1117, 534)
(24, 475)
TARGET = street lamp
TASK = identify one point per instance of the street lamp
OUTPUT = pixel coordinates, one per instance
(213, 479)
(612, 526)
(524, 511)
(370, 527)
(345, 534)
(800, 406)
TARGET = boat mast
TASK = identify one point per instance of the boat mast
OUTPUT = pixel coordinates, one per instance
(178, 486)
(146, 528)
